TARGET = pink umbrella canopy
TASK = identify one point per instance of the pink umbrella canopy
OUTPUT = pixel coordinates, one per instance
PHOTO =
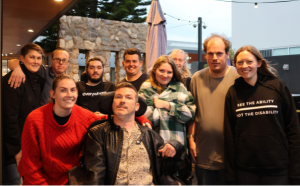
(157, 34)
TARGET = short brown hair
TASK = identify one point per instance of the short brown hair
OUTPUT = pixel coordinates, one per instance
(128, 85)
(164, 59)
(87, 64)
(56, 80)
(265, 68)
(31, 46)
(224, 39)
(62, 49)
(132, 51)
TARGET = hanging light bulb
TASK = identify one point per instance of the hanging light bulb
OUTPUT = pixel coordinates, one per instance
(255, 5)
(190, 22)
(165, 14)
(178, 20)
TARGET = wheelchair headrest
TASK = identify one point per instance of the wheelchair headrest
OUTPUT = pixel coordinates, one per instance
(106, 100)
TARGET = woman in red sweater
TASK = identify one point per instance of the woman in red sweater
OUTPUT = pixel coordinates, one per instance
(52, 136)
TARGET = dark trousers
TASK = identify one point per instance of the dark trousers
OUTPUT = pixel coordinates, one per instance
(11, 175)
(185, 173)
(210, 177)
(245, 177)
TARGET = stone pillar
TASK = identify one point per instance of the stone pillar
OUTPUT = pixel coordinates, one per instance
(144, 67)
(104, 56)
(119, 69)
(73, 67)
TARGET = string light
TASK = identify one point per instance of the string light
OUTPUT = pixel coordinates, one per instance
(256, 4)
(279, 1)
(179, 20)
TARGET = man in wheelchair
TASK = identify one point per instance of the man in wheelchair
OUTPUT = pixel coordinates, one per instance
(120, 151)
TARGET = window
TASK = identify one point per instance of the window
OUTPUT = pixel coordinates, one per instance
(5, 69)
(266, 53)
(294, 50)
(280, 52)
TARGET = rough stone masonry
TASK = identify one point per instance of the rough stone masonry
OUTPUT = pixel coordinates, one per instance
(99, 37)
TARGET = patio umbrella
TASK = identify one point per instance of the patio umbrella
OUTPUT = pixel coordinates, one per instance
(157, 35)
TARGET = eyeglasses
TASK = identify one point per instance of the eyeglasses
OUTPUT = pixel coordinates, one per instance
(58, 60)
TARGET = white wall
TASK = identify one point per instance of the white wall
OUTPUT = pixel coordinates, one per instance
(268, 26)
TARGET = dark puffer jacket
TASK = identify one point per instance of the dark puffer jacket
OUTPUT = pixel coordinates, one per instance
(104, 147)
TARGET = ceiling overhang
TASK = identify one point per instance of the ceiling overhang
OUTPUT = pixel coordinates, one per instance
(21, 15)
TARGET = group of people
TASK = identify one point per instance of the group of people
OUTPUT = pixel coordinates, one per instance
(237, 123)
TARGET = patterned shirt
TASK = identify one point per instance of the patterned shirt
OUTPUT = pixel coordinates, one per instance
(134, 168)
(170, 123)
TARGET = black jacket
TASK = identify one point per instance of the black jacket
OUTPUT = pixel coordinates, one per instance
(261, 129)
(17, 104)
(104, 149)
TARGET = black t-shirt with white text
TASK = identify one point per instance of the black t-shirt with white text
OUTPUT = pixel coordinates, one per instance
(88, 95)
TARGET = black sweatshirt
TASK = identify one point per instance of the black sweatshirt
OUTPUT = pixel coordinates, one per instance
(261, 128)
(88, 95)
(17, 104)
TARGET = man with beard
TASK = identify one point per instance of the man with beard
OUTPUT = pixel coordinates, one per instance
(89, 93)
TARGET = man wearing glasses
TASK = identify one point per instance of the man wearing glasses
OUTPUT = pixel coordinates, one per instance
(60, 62)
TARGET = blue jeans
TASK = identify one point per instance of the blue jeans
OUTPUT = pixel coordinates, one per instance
(210, 177)
(11, 175)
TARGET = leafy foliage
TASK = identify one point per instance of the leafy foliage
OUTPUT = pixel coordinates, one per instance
(123, 10)
(120, 10)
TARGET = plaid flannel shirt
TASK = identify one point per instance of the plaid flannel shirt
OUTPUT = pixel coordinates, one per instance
(171, 123)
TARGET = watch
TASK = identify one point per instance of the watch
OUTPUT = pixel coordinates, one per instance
(190, 136)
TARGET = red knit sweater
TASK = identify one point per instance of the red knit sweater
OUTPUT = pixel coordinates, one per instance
(49, 150)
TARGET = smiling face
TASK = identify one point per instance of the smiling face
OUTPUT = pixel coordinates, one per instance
(125, 102)
(32, 60)
(246, 65)
(179, 59)
(94, 71)
(132, 64)
(60, 61)
(65, 95)
(164, 74)
(216, 57)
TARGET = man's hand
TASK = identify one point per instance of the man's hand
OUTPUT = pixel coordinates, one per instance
(193, 149)
(16, 77)
(167, 151)
(18, 157)
(158, 103)
(147, 125)
(98, 113)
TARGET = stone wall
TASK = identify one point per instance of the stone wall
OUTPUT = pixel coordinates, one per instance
(99, 37)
